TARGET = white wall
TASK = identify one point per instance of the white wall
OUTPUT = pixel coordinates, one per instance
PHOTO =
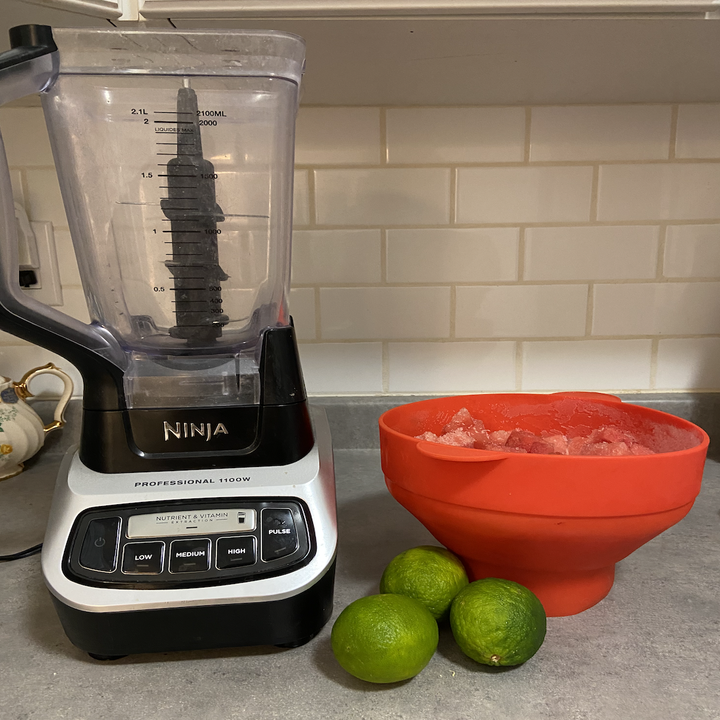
(472, 249)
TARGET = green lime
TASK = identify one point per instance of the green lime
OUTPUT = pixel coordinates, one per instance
(384, 638)
(498, 622)
(432, 575)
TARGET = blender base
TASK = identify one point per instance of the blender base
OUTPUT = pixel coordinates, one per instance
(291, 622)
(191, 560)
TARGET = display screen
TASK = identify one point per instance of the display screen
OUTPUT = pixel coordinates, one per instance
(192, 522)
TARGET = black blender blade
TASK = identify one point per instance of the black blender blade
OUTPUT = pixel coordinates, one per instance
(194, 214)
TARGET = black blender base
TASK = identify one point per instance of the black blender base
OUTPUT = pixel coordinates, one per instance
(286, 623)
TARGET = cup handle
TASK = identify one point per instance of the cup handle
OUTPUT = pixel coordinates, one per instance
(59, 415)
(452, 453)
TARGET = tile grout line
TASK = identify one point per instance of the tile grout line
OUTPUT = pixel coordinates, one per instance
(589, 310)
(660, 266)
(385, 345)
(453, 195)
(521, 255)
(384, 149)
(594, 191)
(318, 314)
(453, 312)
(674, 112)
(519, 361)
(312, 209)
(528, 130)
(654, 348)
(383, 256)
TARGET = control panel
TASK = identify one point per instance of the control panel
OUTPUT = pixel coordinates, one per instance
(164, 545)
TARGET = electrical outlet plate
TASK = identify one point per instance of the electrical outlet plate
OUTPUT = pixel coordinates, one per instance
(48, 289)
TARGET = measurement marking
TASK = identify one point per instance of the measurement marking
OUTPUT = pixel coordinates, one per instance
(187, 301)
(182, 254)
(198, 288)
(177, 154)
(183, 231)
(174, 143)
(172, 112)
(174, 122)
(182, 242)
(173, 175)
(179, 187)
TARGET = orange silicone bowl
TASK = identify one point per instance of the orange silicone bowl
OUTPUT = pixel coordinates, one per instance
(557, 524)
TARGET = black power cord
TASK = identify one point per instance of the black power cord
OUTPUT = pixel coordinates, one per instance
(22, 554)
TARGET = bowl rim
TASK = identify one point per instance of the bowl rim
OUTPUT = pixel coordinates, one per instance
(601, 398)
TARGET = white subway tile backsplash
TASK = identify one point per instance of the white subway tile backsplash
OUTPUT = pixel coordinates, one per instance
(444, 255)
(524, 194)
(692, 251)
(698, 131)
(342, 368)
(16, 180)
(671, 308)
(74, 304)
(690, 363)
(44, 201)
(336, 256)
(659, 191)
(390, 196)
(302, 309)
(591, 252)
(521, 311)
(384, 312)
(431, 254)
(451, 367)
(7, 339)
(337, 135)
(26, 137)
(455, 135)
(586, 365)
(67, 261)
(600, 132)
(301, 198)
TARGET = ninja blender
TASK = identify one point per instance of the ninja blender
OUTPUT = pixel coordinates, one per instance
(199, 509)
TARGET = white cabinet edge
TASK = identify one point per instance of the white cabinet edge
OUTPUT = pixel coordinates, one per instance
(153, 9)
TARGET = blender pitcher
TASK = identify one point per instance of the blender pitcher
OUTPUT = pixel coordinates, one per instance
(174, 151)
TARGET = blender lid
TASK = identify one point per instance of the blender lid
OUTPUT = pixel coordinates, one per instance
(239, 53)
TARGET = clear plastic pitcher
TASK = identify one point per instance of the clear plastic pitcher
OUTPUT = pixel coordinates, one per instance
(174, 151)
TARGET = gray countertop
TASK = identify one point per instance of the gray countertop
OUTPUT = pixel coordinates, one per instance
(650, 650)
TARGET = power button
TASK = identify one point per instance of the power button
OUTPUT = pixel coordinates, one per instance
(100, 546)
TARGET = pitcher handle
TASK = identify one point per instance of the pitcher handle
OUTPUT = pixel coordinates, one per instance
(21, 388)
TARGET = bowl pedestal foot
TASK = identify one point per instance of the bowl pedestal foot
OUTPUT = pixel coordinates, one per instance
(561, 594)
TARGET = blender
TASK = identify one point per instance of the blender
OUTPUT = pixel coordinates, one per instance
(198, 510)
